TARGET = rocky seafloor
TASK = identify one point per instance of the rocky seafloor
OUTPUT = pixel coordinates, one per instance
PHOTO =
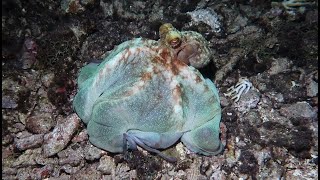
(271, 132)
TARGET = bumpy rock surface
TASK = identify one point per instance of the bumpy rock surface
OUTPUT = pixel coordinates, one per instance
(58, 139)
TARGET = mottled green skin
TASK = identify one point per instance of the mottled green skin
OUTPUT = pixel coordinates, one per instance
(142, 89)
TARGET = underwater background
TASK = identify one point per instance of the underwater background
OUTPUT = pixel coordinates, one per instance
(271, 132)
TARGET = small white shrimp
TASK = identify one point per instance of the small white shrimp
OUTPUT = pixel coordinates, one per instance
(243, 86)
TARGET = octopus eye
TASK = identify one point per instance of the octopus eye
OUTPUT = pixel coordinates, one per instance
(170, 36)
(174, 43)
(173, 39)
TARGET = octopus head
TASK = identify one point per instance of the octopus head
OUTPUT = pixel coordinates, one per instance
(186, 46)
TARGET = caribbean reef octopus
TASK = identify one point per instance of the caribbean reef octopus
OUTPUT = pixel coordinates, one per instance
(148, 93)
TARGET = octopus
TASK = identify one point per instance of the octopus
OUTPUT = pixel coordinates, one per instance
(149, 94)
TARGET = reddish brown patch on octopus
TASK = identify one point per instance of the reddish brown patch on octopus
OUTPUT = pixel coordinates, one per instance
(177, 66)
(146, 76)
(198, 79)
(165, 56)
(157, 60)
(137, 52)
(165, 60)
(175, 69)
(102, 74)
(176, 92)
(125, 56)
(169, 62)
(135, 89)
